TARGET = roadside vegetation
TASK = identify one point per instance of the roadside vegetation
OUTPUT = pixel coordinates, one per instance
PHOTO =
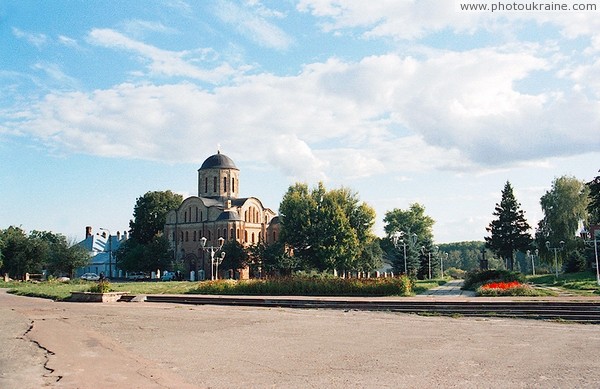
(582, 283)
(292, 286)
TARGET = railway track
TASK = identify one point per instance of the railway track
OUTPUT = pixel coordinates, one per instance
(574, 311)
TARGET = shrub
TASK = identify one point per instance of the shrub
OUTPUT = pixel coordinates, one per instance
(310, 286)
(457, 274)
(103, 286)
(476, 278)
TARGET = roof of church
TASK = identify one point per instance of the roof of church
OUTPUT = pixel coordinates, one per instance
(218, 161)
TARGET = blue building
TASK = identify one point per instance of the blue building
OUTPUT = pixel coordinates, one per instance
(102, 247)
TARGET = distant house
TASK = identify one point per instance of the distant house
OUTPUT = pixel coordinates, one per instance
(102, 253)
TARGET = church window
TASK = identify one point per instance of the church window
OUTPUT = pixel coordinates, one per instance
(195, 235)
(185, 217)
(253, 237)
(233, 184)
(187, 236)
(232, 234)
(224, 184)
(205, 184)
(196, 214)
(215, 184)
(209, 235)
(225, 233)
(182, 236)
(245, 236)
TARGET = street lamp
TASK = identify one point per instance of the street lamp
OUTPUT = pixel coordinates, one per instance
(595, 242)
(444, 255)
(556, 249)
(429, 258)
(213, 250)
(396, 239)
(529, 254)
(109, 252)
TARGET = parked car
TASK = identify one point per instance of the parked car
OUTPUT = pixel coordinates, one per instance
(137, 276)
(90, 277)
(168, 276)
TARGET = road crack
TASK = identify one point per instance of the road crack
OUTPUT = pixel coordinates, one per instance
(47, 353)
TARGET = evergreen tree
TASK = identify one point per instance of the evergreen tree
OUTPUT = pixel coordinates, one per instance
(509, 232)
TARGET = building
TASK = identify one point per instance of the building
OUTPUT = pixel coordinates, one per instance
(218, 212)
(102, 247)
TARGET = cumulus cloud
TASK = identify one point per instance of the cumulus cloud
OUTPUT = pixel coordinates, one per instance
(446, 110)
(409, 19)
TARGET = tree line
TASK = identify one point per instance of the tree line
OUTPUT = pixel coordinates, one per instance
(39, 251)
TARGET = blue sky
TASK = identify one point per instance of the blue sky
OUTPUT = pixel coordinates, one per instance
(402, 101)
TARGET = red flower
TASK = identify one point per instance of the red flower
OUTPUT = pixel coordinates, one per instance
(502, 285)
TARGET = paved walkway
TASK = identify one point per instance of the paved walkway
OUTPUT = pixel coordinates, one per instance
(449, 289)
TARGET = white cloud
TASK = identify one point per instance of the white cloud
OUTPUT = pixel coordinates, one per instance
(410, 19)
(388, 113)
(252, 22)
(38, 40)
(160, 62)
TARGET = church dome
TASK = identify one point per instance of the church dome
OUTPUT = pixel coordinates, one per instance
(218, 161)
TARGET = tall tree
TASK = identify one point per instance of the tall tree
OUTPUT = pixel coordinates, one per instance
(412, 223)
(564, 206)
(150, 214)
(66, 256)
(510, 231)
(326, 230)
(594, 200)
(146, 249)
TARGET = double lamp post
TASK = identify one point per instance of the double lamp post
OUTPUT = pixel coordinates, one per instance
(212, 250)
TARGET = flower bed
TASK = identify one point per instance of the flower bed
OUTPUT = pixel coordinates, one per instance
(512, 288)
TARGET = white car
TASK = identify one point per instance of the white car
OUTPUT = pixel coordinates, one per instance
(90, 277)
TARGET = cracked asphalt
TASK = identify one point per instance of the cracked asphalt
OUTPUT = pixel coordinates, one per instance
(155, 345)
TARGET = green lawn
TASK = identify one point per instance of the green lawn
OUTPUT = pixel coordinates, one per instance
(296, 286)
(583, 283)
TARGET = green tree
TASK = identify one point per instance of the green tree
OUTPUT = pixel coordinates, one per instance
(150, 214)
(594, 200)
(274, 259)
(417, 230)
(65, 257)
(146, 249)
(326, 230)
(564, 206)
(236, 256)
(23, 253)
(510, 231)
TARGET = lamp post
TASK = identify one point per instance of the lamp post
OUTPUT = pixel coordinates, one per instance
(444, 255)
(109, 251)
(556, 249)
(595, 242)
(423, 249)
(213, 250)
(396, 239)
(529, 254)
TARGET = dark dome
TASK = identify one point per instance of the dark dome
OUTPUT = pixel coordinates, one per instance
(218, 161)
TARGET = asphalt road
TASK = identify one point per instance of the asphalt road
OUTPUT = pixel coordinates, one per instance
(152, 345)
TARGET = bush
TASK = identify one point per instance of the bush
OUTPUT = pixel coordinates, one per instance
(103, 286)
(310, 286)
(457, 274)
(476, 278)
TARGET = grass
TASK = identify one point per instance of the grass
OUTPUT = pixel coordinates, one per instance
(305, 286)
(424, 285)
(583, 283)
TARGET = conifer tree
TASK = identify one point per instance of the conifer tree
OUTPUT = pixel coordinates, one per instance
(510, 231)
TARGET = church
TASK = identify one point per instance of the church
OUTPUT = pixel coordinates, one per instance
(218, 215)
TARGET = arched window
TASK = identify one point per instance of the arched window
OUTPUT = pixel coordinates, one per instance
(196, 214)
(182, 236)
(195, 235)
(233, 184)
(253, 237)
(209, 235)
(187, 237)
(225, 233)
(224, 184)
(232, 234)
(215, 184)
(245, 236)
(205, 184)
(185, 217)
(238, 234)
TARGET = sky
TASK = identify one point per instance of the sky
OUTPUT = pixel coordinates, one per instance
(402, 101)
